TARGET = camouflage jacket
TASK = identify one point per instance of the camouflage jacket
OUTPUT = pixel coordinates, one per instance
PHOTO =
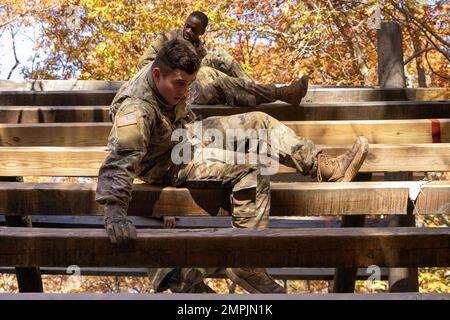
(161, 39)
(140, 140)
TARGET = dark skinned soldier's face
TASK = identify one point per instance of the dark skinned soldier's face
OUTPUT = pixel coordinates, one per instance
(193, 29)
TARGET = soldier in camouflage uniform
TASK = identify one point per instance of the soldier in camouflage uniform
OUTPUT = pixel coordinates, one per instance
(233, 85)
(221, 79)
(194, 27)
(148, 109)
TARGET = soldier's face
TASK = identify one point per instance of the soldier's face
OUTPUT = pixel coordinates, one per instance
(173, 86)
(193, 29)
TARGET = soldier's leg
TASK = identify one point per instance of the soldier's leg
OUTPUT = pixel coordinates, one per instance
(250, 201)
(241, 92)
(180, 280)
(294, 151)
(244, 127)
(223, 61)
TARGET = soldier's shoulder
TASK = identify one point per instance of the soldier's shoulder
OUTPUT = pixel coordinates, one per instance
(139, 106)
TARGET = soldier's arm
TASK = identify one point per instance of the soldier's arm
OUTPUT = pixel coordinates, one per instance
(150, 54)
(128, 144)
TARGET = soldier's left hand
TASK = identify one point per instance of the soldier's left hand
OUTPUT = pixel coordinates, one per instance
(120, 230)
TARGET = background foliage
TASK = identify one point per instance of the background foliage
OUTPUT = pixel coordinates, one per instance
(332, 41)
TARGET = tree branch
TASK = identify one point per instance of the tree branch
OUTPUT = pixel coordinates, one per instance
(431, 68)
(13, 36)
(422, 24)
(418, 53)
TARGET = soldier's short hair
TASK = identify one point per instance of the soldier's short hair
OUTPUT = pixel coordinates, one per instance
(201, 17)
(177, 54)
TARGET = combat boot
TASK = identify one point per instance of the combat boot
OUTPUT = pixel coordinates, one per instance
(343, 168)
(200, 288)
(294, 92)
(254, 280)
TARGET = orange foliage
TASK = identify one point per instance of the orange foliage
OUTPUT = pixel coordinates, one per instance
(333, 42)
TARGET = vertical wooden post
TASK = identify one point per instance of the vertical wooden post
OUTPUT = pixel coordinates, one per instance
(391, 74)
(28, 278)
(402, 279)
(344, 278)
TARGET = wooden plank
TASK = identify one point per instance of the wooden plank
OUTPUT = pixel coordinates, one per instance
(86, 161)
(346, 92)
(288, 199)
(233, 297)
(280, 222)
(329, 247)
(321, 132)
(428, 197)
(73, 85)
(376, 131)
(55, 134)
(58, 85)
(48, 114)
(374, 110)
(277, 273)
(322, 95)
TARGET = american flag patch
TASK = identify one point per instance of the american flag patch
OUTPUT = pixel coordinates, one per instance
(127, 120)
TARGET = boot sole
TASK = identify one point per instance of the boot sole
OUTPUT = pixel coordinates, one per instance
(358, 160)
(244, 284)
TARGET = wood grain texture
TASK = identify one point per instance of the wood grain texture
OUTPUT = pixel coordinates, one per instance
(288, 199)
(335, 247)
(364, 110)
(321, 132)
(322, 95)
(86, 161)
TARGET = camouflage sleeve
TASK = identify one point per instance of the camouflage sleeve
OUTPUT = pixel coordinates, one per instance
(128, 142)
(150, 54)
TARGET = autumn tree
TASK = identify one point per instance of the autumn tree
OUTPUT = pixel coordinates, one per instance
(334, 42)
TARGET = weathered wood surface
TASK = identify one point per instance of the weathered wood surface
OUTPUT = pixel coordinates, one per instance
(231, 297)
(280, 222)
(321, 132)
(331, 247)
(277, 273)
(58, 85)
(391, 70)
(212, 296)
(372, 110)
(323, 95)
(86, 161)
(288, 199)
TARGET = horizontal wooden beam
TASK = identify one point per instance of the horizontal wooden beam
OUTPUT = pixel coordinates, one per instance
(86, 161)
(277, 273)
(374, 110)
(322, 95)
(233, 297)
(58, 85)
(288, 199)
(321, 132)
(280, 222)
(330, 247)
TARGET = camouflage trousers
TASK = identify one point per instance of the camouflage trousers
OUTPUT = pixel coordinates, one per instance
(224, 62)
(215, 87)
(250, 190)
(222, 80)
